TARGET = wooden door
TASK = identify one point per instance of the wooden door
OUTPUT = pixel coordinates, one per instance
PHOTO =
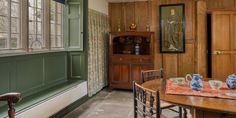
(223, 44)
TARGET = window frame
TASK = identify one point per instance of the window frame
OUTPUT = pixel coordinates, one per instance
(9, 33)
(24, 47)
(56, 24)
(35, 21)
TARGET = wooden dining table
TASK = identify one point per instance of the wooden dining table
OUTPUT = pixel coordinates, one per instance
(200, 107)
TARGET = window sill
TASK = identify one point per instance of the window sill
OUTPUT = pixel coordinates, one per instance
(23, 52)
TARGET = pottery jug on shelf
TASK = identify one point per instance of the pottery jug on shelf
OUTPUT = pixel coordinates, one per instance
(195, 81)
(231, 81)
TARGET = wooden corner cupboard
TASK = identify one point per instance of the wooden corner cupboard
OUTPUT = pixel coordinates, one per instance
(129, 53)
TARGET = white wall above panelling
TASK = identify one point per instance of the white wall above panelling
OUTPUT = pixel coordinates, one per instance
(124, 0)
(99, 5)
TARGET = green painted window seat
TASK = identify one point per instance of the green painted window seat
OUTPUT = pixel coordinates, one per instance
(40, 97)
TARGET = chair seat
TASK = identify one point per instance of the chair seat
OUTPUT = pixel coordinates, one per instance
(166, 104)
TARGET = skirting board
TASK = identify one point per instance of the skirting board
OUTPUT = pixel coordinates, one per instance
(55, 104)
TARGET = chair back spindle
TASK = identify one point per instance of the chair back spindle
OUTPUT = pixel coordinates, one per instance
(146, 102)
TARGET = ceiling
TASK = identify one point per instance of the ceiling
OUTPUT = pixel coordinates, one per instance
(124, 0)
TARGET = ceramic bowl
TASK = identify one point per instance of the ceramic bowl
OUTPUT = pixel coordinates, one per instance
(215, 84)
(178, 80)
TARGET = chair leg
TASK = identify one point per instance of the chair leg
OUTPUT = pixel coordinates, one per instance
(180, 112)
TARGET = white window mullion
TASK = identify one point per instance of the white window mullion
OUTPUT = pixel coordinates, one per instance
(35, 22)
(24, 32)
(9, 25)
(55, 25)
(19, 42)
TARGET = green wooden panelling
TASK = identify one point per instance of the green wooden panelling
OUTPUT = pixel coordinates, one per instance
(5, 73)
(76, 65)
(29, 74)
(74, 25)
(55, 69)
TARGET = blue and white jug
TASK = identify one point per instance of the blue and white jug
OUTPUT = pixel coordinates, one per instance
(231, 81)
(195, 81)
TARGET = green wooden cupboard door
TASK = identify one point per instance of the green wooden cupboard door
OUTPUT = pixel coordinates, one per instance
(74, 25)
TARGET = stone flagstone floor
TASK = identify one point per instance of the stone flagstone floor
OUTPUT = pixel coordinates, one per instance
(115, 104)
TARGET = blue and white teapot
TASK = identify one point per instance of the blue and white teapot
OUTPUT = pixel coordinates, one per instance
(231, 81)
(195, 81)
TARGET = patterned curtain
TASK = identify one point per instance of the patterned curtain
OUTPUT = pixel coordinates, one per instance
(97, 51)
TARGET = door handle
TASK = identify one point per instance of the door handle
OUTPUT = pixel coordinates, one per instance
(217, 52)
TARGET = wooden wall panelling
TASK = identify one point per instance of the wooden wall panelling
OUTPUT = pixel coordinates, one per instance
(201, 37)
(129, 14)
(195, 45)
(180, 64)
(155, 24)
(76, 65)
(221, 4)
(233, 44)
(228, 5)
(6, 77)
(190, 20)
(170, 65)
(116, 16)
(141, 15)
(186, 60)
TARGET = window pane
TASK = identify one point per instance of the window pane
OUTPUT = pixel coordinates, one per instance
(15, 0)
(52, 37)
(52, 17)
(39, 15)
(52, 6)
(59, 8)
(31, 13)
(40, 40)
(59, 19)
(32, 3)
(32, 28)
(15, 10)
(3, 24)
(3, 40)
(35, 24)
(15, 25)
(56, 25)
(59, 28)
(39, 4)
(39, 28)
(14, 43)
(52, 29)
(59, 41)
(3, 7)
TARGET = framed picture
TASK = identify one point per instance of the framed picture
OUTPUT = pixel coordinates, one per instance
(172, 28)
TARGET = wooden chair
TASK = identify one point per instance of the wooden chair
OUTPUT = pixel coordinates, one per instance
(11, 99)
(147, 75)
(146, 102)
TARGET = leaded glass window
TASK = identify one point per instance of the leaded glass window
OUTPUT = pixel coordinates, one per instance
(10, 24)
(36, 40)
(56, 19)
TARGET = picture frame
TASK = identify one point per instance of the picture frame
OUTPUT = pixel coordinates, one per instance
(172, 28)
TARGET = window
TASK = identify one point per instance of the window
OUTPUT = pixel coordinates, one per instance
(56, 32)
(44, 21)
(36, 40)
(10, 24)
